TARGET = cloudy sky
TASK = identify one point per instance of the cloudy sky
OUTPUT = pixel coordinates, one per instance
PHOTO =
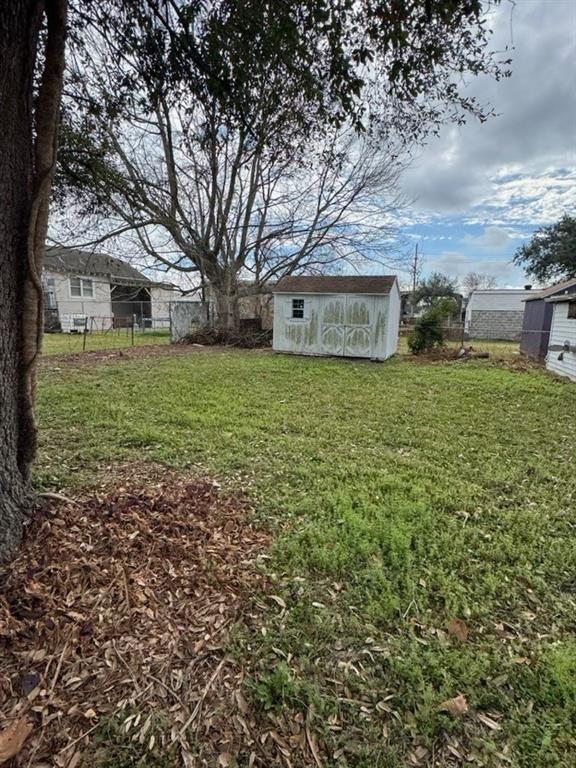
(481, 189)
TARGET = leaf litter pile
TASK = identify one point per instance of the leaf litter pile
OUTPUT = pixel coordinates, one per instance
(113, 622)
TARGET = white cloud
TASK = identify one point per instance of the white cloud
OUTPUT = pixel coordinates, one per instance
(518, 167)
(456, 264)
(493, 238)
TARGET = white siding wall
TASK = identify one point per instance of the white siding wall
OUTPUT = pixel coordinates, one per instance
(393, 330)
(508, 300)
(301, 336)
(72, 306)
(160, 299)
(563, 329)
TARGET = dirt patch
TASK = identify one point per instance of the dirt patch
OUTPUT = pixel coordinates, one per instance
(442, 355)
(131, 353)
(518, 362)
(114, 619)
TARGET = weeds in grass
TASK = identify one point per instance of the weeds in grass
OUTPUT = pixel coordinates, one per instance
(115, 747)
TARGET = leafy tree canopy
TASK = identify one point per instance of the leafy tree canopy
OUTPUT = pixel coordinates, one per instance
(314, 61)
(551, 252)
(435, 288)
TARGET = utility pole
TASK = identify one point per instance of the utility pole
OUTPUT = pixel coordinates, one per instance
(415, 270)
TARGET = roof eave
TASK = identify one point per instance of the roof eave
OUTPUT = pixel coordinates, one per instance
(333, 293)
(560, 299)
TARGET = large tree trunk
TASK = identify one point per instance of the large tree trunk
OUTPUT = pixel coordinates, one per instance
(225, 289)
(27, 158)
(227, 313)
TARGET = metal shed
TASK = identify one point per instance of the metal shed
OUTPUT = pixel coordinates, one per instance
(342, 316)
(538, 318)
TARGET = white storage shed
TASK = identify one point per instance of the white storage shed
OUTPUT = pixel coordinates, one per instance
(561, 357)
(342, 316)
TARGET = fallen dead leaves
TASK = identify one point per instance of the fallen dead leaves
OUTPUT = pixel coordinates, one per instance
(13, 737)
(456, 706)
(119, 607)
(459, 629)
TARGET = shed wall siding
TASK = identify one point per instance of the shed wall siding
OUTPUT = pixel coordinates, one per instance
(563, 329)
(296, 335)
(536, 328)
(537, 323)
(354, 325)
(394, 310)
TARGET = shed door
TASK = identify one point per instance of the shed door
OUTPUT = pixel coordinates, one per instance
(358, 329)
(332, 326)
(346, 326)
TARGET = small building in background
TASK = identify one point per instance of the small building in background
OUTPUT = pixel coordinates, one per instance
(85, 290)
(341, 316)
(496, 313)
(561, 357)
(537, 320)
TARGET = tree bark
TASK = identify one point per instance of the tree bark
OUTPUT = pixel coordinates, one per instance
(224, 285)
(227, 312)
(27, 158)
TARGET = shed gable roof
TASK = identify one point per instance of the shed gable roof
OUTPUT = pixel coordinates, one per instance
(372, 284)
(565, 285)
(73, 261)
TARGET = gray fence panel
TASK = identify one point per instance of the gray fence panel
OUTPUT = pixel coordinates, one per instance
(184, 315)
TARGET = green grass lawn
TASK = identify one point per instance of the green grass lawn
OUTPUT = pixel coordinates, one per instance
(69, 343)
(402, 496)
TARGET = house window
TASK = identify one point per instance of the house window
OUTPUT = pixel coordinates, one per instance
(81, 287)
(297, 309)
(572, 310)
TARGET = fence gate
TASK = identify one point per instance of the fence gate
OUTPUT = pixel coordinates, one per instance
(184, 315)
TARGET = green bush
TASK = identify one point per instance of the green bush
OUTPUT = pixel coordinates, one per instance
(428, 333)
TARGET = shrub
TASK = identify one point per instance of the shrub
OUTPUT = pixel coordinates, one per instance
(428, 333)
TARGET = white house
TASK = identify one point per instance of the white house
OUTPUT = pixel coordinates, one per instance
(496, 313)
(343, 316)
(561, 357)
(98, 292)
